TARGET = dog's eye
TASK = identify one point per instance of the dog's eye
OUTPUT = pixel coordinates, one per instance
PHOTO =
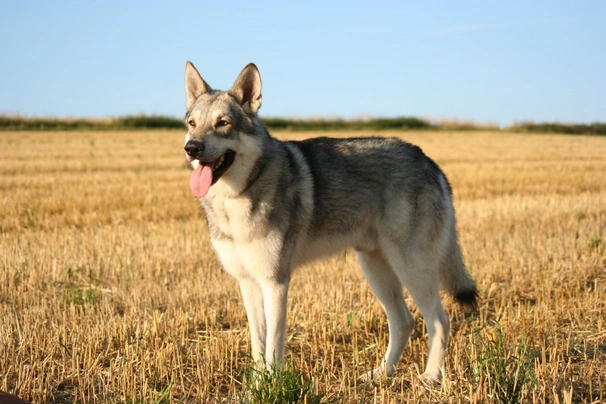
(191, 123)
(221, 123)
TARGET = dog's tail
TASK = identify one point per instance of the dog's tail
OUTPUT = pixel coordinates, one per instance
(455, 279)
(454, 276)
(453, 273)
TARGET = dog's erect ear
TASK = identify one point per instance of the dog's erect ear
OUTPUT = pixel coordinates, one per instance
(247, 89)
(195, 86)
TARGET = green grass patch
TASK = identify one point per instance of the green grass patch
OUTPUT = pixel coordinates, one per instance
(277, 384)
(503, 370)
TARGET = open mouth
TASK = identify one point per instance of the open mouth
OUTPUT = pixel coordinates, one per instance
(221, 165)
(207, 173)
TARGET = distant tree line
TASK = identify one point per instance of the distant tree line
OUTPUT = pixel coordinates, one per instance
(126, 122)
(378, 124)
(342, 124)
(596, 128)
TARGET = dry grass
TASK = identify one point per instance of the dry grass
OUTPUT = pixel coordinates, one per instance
(109, 291)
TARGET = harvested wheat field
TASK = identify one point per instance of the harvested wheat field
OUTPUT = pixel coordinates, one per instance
(110, 293)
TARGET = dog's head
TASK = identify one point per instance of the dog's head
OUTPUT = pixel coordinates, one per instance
(222, 129)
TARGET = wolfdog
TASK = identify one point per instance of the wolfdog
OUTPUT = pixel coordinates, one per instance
(273, 205)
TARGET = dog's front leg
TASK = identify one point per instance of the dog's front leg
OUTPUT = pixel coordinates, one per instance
(255, 312)
(275, 296)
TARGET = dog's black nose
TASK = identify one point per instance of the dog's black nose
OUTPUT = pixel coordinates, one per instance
(194, 148)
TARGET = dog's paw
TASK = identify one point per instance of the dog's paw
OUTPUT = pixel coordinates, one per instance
(431, 379)
(374, 374)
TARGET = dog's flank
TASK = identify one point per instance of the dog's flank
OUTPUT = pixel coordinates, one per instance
(273, 205)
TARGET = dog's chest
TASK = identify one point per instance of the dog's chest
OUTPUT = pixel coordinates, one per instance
(242, 237)
(234, 219)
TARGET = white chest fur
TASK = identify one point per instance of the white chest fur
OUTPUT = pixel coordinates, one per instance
(249, 248)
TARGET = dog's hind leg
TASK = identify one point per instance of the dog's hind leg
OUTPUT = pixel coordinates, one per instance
(253, 302)
(419, 273)
(388, 289)
(438, 328)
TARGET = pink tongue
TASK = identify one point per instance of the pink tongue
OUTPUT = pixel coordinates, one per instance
(200, 180)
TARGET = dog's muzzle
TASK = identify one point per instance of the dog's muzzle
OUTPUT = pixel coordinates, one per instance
(194, 149)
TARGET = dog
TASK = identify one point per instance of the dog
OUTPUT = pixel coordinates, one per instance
(273, 205)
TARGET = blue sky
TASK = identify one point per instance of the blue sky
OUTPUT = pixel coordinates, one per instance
(487, 61)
